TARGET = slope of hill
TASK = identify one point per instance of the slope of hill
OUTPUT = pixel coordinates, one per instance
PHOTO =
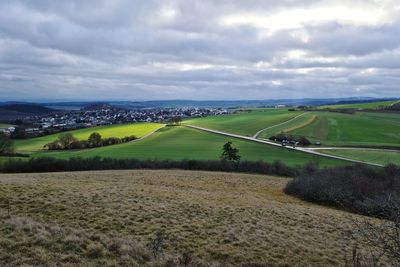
(27, 108)
(117, 130)
(245, 123)
(373, 156)
(366, 105)
(338, 129)
(110, 218)
(177, 143)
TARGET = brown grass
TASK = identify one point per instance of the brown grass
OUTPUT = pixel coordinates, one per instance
(221, 219)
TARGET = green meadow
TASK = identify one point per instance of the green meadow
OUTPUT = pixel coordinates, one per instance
(4, 126)
(373, 156)
(245, 123)
(370, 105)
(177, 143)
(339, 129)
(118, 130)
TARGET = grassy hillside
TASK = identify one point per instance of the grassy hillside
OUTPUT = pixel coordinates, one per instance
(363, 129)
(370, 105)
(245, 123)
(379, 157)
(109, 218)
(119, 130)
(178, 143)
(299, 122)
(3, 125)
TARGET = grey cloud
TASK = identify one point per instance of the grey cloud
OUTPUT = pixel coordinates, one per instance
(179, 49)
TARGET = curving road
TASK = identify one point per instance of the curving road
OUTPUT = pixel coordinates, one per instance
(279, 124)
(305, 150)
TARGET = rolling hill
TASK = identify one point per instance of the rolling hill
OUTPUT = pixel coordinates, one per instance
(117, 130)
(177, 143)
(110, 218)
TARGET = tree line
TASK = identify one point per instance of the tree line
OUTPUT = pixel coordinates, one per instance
(68, 141)
(282, 137)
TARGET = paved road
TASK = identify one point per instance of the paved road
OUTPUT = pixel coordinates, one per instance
(305, 150)
(273, 126)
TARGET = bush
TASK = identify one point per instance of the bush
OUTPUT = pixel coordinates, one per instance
(6, 145)
(357, 188)
(68, 141)
(301, 140)
(79, 164)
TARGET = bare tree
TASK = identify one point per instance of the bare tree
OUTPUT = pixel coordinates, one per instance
(381, 238)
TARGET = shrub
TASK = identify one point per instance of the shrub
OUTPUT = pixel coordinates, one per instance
(68, 141)
(357, 188)
(6, 145)
(79, 164)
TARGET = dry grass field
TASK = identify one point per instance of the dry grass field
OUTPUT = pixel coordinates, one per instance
(207, 218)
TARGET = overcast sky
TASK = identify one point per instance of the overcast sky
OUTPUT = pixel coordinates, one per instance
(198, 49)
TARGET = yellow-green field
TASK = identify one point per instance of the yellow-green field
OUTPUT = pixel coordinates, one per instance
(118, 130)
(108, 218)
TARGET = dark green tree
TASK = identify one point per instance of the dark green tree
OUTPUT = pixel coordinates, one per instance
(175, 120)
(6, 144)
(230, 153)
(66, 140)
(95, 139)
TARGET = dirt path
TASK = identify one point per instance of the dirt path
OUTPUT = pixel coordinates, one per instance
(279, 124)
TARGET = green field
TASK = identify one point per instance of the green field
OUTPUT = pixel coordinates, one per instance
(378, 157)
(245, 123)
(298, 122)
(119, 130)
(177, 143)
(371, 105)
(4, 126)
(338, 129)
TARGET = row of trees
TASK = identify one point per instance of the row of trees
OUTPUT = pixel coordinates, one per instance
(282, 137)
(6, 145)
(68, 141)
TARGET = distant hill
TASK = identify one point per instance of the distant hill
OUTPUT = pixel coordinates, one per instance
(98, 106)
(14, 111)
(93, 105)
(27, 108)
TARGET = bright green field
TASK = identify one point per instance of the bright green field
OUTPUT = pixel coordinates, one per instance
(338, 129)
(119, 130)
(372, 105)
(379, 157)
(245, 123)
(176, 143)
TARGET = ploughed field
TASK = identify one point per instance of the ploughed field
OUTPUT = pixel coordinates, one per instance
(178, 143)
(110, 218)
(117, 130)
